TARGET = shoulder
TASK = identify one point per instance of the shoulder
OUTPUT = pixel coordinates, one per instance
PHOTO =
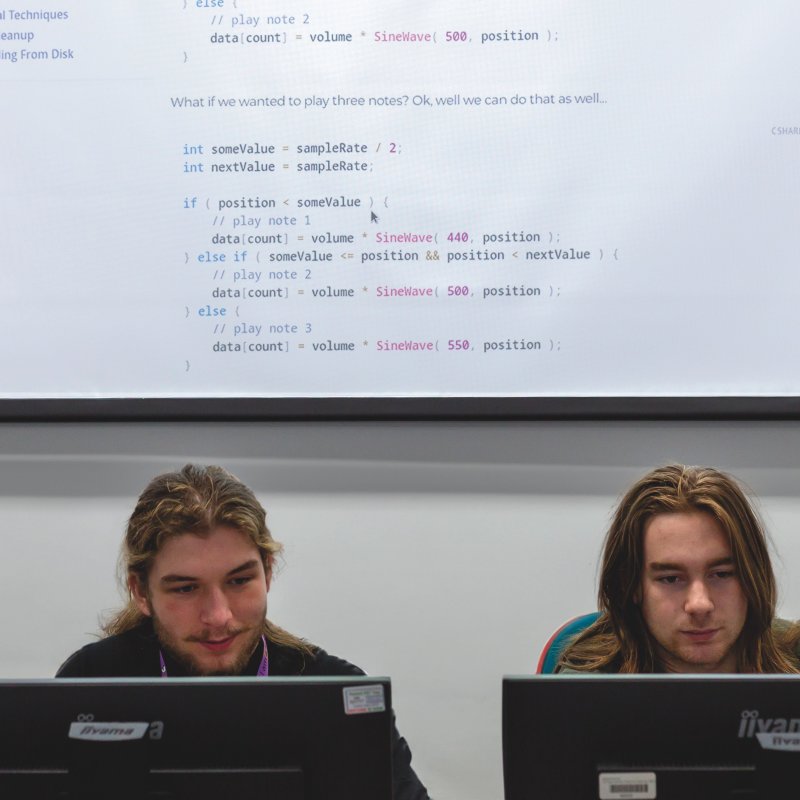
(133, 654)
(592, 649)
(787, 633)
(326, 664)
(783, 625)
(288, 661)
(572, 671)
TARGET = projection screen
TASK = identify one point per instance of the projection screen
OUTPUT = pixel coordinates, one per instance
(235, 207)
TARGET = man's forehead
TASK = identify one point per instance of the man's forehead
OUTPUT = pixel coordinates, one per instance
(220, 550)
(678, 538)
(688, 563)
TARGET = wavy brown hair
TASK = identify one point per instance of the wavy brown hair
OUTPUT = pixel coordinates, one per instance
(195, 499)
(619, 640)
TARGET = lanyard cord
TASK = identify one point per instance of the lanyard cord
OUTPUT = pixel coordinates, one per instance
(263, 667)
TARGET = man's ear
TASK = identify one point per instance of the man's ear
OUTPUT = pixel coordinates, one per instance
(268, 578)
(268, 565)
(139, 595)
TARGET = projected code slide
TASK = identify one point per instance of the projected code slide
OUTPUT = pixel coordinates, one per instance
(233, 198)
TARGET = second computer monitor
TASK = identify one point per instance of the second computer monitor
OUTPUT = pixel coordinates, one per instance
(651, 737)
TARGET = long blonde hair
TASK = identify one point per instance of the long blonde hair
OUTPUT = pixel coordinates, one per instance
(195, 499)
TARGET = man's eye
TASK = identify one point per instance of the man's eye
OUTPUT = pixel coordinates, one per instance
(241, 580)
(185, 589)
(725, 573)
(668, 579)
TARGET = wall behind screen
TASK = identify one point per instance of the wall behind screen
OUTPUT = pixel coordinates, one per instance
(399, 199)
(442, 555)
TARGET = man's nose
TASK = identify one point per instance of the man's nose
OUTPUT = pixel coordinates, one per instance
(215, 611)
(698, 599)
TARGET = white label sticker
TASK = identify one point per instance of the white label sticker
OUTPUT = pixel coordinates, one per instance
(108, 731)
(627, 785)
(779, 741)
(364, 699)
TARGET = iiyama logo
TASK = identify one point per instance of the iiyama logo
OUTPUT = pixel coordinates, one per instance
(88, 729)
(752, 724)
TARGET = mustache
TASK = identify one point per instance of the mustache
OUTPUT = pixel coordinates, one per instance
(206, 635)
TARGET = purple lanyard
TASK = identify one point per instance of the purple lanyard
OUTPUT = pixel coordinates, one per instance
(263, 667)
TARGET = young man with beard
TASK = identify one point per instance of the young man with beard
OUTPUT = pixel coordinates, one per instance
(199, 560)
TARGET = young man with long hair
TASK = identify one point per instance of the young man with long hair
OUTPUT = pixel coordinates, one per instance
(686, 584)
(199, 559)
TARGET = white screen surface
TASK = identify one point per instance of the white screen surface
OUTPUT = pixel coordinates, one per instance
(399, 199)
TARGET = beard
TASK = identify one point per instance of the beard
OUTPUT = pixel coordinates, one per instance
(178, 652)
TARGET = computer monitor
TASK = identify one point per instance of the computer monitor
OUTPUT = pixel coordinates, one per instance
(670, 737)
(282, 739)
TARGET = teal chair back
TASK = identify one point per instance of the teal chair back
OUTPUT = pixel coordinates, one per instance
(558, 641)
